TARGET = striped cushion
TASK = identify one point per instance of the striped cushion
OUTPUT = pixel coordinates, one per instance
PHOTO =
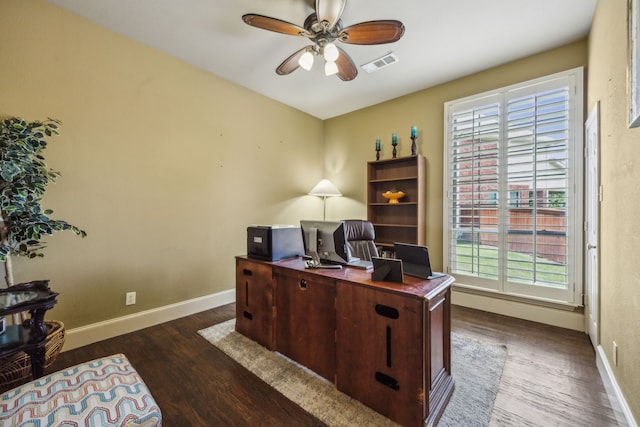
(103, 392)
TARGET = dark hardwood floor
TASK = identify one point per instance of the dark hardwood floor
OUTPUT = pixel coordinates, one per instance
(550, 377)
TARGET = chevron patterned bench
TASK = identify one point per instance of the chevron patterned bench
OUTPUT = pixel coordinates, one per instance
(103, 392)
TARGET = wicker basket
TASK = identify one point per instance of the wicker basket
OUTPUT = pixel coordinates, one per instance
(16, 369)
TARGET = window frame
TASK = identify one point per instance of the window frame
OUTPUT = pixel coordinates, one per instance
(572, 295)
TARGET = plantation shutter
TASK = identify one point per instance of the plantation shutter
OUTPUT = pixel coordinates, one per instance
(475, 135)
(537, 152)
(512, 174)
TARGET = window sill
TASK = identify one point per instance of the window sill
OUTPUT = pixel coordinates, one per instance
(459, 287)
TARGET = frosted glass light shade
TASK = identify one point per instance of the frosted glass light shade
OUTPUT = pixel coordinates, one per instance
(330, 68)
(331, 52)
(306, 61)
(325, 188)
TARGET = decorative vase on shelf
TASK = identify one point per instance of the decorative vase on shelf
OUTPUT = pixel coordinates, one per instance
(393, 196)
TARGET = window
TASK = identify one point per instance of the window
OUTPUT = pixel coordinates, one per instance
(538, 199)
(513, 181)
(514, 199)
(493, 198)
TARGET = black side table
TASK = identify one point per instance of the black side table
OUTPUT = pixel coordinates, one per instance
(30, 337)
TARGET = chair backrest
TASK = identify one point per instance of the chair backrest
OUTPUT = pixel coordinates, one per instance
(360, 238)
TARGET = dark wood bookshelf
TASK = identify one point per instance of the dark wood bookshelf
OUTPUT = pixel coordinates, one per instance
(405, 221)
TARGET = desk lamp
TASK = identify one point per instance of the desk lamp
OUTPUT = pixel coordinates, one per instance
(324, 189)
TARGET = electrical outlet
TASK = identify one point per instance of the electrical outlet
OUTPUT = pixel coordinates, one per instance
(130, 299)
(615, 354)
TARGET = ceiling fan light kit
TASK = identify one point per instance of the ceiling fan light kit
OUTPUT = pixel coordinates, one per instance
(330, 52)
(323, 27)
(330, 68)
(306, 60)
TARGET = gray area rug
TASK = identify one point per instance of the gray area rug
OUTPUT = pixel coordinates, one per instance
(476, 369)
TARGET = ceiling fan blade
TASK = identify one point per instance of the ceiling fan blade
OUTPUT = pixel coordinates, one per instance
(330, 11)
(273, 24)
(372, 32)
(291, 64)
(347, 70)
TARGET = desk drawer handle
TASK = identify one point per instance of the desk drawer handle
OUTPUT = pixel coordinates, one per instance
(247, 315)
(247, 272)
(390, 382)
(303, 284)
(386, 311)
(389, 346)
(246, 293)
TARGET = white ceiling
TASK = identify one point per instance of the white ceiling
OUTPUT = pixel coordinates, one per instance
(443, 40)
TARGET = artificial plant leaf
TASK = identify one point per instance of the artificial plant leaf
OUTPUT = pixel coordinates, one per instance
(24, 177)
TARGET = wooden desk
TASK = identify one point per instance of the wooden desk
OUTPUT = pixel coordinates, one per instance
(385, 344)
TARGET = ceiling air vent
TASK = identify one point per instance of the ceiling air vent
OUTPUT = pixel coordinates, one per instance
(379, 63)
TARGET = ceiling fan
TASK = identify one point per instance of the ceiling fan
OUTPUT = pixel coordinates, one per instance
(323, 27)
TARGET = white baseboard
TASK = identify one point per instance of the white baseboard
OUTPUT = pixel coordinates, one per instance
(618, 402)
(535, 313)
(84, 335)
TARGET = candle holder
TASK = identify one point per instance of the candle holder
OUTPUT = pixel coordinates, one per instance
(394, 142)
(377, 149)
(414, 136)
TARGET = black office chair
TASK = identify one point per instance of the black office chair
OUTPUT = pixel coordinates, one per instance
(360, 238)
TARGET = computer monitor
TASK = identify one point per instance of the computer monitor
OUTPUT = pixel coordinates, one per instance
(415, 260)
(325, 241)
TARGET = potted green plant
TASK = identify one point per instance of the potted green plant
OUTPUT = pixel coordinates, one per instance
(24, 177)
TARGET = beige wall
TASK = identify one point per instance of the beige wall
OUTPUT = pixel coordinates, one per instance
(164, 165)
(620, 150)
(351, 137)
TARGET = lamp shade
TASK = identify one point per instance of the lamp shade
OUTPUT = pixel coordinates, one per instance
(330, 68)
(325, 188)
(330, 52)
(306, 60)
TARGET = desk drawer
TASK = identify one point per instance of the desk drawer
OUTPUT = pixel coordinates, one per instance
(306, 321)
(380, 351)
(254, 302)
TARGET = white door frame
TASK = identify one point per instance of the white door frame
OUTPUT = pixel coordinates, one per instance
(593, 196)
